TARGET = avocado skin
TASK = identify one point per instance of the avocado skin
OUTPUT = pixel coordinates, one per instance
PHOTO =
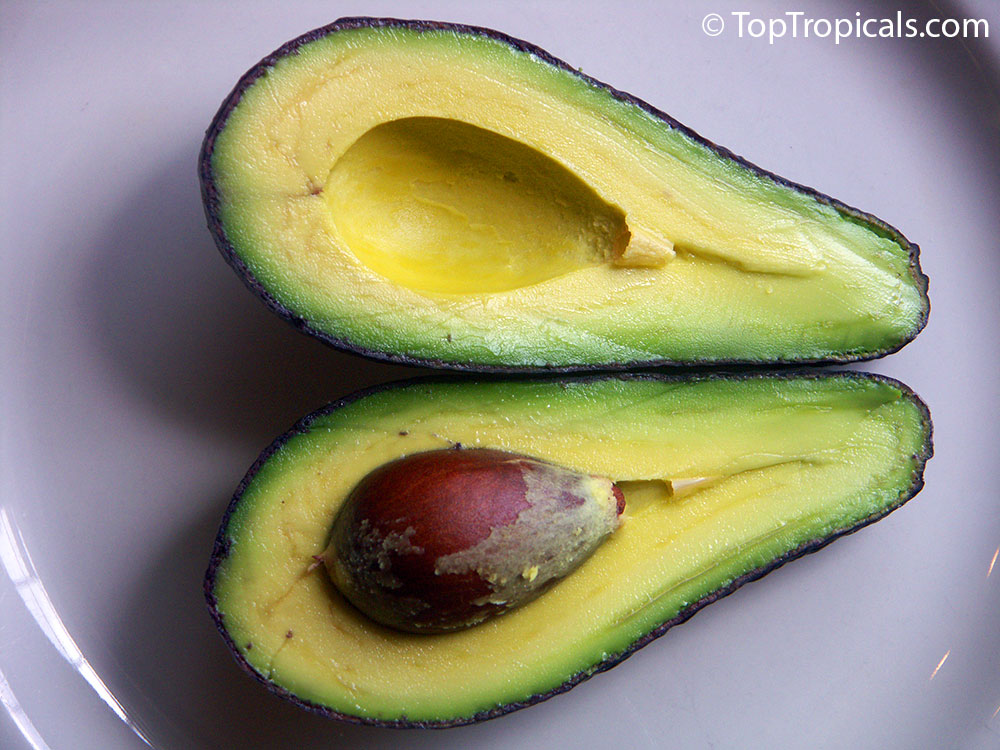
(210, 198)
(221, 545)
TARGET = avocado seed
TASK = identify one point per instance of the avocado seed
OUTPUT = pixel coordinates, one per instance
(446, 539)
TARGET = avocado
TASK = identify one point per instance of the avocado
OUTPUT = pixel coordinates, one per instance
(725, 477)
(444, 539)
(445, 195)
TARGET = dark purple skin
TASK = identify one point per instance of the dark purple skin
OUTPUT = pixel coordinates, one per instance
(222, 543)
(211, 200)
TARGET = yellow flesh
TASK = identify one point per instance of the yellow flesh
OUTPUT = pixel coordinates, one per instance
(442, 206)
(440, 195)
(789, 461)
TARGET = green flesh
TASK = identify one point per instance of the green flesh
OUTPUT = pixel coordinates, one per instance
(441, 196)
(760, 466)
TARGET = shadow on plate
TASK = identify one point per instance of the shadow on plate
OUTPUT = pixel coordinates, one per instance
(180, 331)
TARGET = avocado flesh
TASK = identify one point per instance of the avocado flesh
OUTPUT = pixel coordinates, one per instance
(447, 195)
(441, 206)
(770, 466)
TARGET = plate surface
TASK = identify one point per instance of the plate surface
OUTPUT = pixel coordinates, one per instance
(139, 380)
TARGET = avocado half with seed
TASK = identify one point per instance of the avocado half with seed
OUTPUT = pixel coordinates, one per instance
(725, 477)
(445, 195)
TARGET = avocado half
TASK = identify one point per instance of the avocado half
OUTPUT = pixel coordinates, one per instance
(725, 478)
(445, 195)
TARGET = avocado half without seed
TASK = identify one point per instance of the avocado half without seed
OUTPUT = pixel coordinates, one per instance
(446, 195)
(723, 478)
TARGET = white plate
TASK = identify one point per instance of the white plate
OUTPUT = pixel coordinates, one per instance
(140, 379)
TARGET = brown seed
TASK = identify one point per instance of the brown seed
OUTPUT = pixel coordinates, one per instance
(446, 539)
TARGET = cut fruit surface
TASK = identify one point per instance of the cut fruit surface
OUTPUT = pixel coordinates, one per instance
(447, 195)
(441, 206)
(724, 478)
